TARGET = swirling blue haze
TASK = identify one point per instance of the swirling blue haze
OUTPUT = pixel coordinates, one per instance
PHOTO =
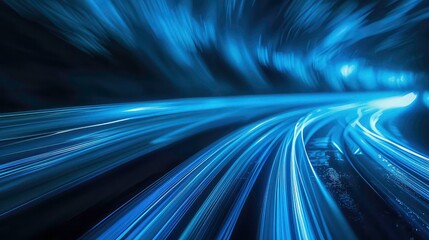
(305, 43)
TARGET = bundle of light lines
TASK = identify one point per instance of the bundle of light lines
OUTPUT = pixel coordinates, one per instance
(275, 166)
(46, 153)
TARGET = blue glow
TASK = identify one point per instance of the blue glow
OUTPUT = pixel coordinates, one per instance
(298, 162)
(183, 33)
(426, 98)
(296, 203)
(395, 102)
(346, 70)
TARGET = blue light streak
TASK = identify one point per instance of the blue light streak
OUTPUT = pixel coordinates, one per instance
(426, 98)
(44, 153)
(334, 45)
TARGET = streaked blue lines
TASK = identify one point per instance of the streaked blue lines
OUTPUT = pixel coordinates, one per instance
(44, 153)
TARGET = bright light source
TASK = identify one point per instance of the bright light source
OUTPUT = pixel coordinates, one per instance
(395, 102)
(346, 70)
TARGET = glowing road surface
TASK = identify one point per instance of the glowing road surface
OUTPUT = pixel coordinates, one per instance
(287, 151)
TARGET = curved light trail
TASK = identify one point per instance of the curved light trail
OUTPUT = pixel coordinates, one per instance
(289, 147)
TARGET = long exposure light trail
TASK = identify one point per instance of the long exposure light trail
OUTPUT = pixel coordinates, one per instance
(214, 119)
(44, 153)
